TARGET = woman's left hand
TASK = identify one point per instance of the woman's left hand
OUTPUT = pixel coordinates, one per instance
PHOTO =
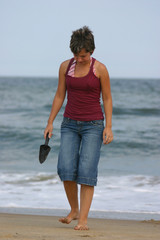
(107, 135)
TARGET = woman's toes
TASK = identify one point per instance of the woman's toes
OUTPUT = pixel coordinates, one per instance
(67, 219)
(81, 227)
(64, 220)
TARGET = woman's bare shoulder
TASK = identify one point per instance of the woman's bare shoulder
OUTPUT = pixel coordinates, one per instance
(100, 65)
(100, 68)
(64, 65)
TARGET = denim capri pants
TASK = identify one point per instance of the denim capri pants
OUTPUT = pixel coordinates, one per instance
(80, 151)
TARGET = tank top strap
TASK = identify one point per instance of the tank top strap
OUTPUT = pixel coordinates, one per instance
(92, 64)
(69, 65)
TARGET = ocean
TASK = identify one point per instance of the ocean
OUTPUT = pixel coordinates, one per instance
(129, 168)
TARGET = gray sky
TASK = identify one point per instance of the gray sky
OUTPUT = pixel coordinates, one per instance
(35, 35)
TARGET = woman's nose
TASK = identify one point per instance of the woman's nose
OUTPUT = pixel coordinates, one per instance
(79, 59)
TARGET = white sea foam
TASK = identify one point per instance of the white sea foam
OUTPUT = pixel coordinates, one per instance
(132, 193)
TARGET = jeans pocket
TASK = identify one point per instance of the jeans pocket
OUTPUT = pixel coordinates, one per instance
(65, 121)
(97, 123)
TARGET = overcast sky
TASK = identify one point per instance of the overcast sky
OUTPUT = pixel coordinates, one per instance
(35, 35)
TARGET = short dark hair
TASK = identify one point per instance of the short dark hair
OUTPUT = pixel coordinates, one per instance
(82, 38)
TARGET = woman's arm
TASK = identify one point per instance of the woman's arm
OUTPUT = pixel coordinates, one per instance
(58, 99)
(107, 101)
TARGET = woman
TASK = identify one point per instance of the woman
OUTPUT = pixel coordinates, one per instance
(82, 129)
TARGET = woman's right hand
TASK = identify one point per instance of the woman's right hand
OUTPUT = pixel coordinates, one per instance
(48, 129)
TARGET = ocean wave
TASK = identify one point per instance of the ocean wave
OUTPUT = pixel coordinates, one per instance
(125, 193)
(25, 178)
(136, 111)
(111, 181)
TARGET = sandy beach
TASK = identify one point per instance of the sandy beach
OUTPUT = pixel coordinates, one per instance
(32, 227)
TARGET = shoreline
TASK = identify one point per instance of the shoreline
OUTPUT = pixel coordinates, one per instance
(36, 227)
(108, 215)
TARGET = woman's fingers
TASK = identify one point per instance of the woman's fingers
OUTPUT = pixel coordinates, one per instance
(107, 136)
(48, 129)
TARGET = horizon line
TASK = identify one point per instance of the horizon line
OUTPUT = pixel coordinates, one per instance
(124, 78)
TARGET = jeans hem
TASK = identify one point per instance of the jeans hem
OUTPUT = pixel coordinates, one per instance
(87, 181)
(79, 180)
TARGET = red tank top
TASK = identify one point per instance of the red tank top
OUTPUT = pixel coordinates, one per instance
(83, 96)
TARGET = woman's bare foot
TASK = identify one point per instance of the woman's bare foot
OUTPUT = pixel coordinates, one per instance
(81, 227)
(71, 216)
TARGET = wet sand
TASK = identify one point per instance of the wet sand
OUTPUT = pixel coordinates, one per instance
(33, 227)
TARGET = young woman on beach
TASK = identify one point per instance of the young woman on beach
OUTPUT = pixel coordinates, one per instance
(82, 130)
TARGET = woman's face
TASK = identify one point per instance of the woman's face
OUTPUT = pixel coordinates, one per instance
(82, 57)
